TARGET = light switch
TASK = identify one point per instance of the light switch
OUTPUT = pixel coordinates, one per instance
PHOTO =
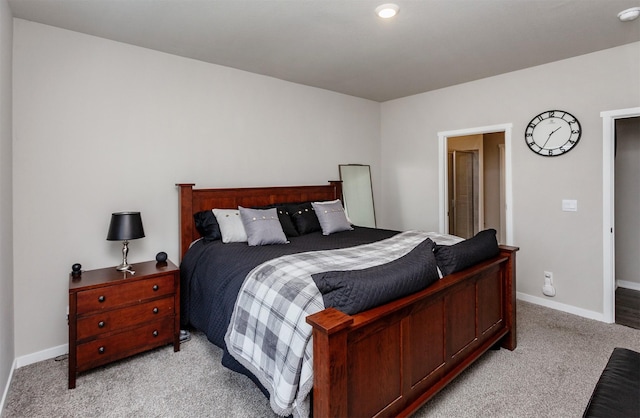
(569, 205)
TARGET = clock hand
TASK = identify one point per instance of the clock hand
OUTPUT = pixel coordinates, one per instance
(552, 132)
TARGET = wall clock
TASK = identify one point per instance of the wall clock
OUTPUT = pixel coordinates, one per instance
(552, 133)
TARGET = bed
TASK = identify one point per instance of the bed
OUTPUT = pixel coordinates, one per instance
(418, 342)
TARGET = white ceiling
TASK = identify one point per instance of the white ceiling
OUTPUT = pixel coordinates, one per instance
(341, 45)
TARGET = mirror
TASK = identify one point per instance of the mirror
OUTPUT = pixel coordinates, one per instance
(357, 194)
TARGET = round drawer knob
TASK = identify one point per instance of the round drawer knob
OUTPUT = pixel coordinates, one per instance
(155, 310)
(155, 333)
(155, 287)
(101, 350)
(101, 324)
(101, 298)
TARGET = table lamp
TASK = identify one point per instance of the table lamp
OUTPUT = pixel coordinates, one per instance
(125, 226)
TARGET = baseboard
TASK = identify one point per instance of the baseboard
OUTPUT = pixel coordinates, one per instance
(22, 361)
(585, 313)
(6, 388)
(47, 354)
(628, 285)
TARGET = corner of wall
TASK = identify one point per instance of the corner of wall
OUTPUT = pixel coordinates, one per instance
(7, 328)
(6, 387)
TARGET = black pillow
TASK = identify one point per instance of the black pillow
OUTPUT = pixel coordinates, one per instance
(207, 225)
(285, 220)
(355, 291)
(453, 258)
(304, 218)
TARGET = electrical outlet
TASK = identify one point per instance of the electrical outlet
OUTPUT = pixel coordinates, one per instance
(548, 289)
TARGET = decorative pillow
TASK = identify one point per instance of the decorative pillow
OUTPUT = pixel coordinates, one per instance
(456, 257)
(331, 217)
(230, 224)
(207, 225)
(262, 226)
(286, 222)
(284, 217)
(304, 218)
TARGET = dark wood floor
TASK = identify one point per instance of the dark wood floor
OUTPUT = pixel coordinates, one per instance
(628, 307)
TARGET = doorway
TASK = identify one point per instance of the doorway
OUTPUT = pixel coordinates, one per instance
(627, 230)
(475, 181)
(494, 187)
(609, 119)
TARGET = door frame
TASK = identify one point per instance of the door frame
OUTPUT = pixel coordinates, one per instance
(608, 206)
(442, 173)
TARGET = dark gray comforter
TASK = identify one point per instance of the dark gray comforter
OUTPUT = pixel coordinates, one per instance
(212, 274)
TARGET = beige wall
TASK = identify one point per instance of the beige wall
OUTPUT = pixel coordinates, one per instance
(6, 199)
(565, 243)
(465, 143)
(102, 126)
(627, 202)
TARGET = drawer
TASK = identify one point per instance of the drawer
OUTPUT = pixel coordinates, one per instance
(108, 321)
(116, 346)
(123, 294)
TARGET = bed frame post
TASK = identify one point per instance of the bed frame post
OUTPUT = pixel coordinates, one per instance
(337, 185)
(510, 340)
(330, 362)
(186, 216)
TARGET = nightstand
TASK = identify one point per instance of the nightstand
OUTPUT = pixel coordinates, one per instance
(114, 314)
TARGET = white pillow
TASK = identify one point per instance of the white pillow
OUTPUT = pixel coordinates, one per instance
(331, 216)
(231, 227)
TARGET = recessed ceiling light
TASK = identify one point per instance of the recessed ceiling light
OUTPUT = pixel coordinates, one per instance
(387, 10)
(629, 14)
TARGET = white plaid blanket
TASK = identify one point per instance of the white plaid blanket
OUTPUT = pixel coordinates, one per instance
(268, 333)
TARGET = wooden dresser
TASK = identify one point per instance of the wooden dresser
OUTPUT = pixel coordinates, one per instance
(114, 314)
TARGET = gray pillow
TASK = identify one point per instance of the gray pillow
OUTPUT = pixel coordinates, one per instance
(331, 217)
(262, 226)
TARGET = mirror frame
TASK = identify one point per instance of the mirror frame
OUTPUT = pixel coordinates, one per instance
(345, 197)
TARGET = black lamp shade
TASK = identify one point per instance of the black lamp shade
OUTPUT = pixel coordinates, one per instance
(125, 226)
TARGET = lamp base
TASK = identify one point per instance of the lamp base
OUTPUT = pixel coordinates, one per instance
(123, 267)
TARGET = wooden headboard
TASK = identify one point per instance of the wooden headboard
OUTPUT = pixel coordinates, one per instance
(195, 200)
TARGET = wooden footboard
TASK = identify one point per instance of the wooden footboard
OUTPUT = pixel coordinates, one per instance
(390, 360)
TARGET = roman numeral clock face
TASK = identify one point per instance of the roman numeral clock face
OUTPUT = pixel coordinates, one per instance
(553, 133)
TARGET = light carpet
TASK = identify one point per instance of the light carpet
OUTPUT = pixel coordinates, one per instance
(552, 373)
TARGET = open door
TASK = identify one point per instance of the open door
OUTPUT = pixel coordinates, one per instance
(463, 193)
